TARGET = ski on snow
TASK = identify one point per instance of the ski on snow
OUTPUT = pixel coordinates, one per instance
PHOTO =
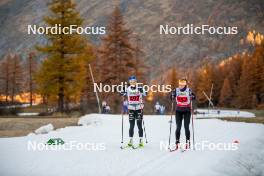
(138, 147)
(133, 147)
(179, 149)
(125, 147)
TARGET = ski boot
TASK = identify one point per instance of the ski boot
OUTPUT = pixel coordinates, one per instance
(187, 144)
(130, 144)
(140, 143)
(177, 146)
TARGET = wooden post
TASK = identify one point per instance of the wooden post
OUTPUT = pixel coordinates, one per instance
(96, 94)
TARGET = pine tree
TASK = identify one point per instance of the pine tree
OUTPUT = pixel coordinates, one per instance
(225, 95)
(61, 77)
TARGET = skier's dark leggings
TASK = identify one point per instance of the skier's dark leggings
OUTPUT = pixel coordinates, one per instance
(180, 115)
(135, 115)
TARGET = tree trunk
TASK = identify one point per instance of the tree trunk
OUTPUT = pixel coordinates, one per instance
(61, 95)
(7, 89)
(30, 80)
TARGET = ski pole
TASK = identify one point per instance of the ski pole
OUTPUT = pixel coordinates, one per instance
(170, 124)
(192, 125)
(143, 124)
(122, 113)
(144, 130)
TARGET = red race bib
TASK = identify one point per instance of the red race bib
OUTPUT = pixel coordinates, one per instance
(134, 98)
(182, 99)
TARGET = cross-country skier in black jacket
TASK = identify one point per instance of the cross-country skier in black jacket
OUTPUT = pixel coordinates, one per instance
(183, 97)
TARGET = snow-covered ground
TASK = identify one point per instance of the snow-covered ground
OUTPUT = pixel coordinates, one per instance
(28, 114)
(105, 132)
(212, 113)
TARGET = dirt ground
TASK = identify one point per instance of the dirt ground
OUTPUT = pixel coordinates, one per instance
(18, 126)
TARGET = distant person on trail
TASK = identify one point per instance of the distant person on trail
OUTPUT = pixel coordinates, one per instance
(157, 108)
(162, 110)
(183, 97)
(104, 104)
(135, 96)
(107, 109)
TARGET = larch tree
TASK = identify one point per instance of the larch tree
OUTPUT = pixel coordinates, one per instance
(225, 94)
(140, 69)
(116, 55)
(205, 83)
(258, 60)
(245, 90)
(174, 78)
(116, 51)
(87, 95)
(217, 81)
(233, 72)
(262, 77)
(61, 76)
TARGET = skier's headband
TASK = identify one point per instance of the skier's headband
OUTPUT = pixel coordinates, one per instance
(182, 82)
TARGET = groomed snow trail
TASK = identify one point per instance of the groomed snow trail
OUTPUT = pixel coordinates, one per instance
(17, 160)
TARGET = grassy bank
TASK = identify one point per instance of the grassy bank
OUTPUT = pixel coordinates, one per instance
(247, 120)
(18, 126)
(258, 113)
(258, 119)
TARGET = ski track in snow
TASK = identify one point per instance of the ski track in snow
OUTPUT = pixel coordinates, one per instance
(16, 160)
(147, 166)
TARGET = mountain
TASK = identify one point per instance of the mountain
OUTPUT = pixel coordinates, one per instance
(144, 18)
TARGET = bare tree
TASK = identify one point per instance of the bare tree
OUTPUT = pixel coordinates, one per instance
(16, 76)
(5, 76)
(31, 70)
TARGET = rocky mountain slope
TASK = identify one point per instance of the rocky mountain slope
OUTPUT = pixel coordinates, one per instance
(144, 17)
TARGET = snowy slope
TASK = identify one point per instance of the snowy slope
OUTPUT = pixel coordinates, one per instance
(16, 160)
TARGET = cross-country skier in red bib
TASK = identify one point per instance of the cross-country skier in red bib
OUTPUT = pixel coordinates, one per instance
(183, 97)
(135, 109)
